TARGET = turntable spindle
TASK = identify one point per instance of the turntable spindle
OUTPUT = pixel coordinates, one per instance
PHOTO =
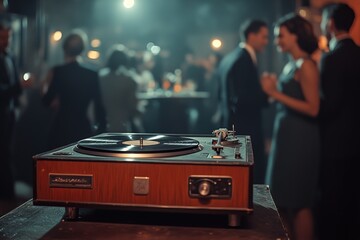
(141, 142)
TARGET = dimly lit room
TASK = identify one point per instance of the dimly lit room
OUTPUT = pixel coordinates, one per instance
(179, 119)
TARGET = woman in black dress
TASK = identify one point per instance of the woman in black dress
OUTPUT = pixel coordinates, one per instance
(294, 156)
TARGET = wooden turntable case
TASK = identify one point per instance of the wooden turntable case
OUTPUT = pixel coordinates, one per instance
(112, 181)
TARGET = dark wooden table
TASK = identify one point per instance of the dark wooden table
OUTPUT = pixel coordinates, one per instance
(38, 222)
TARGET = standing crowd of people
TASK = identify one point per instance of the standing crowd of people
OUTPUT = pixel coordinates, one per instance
(310, 167)
(311, 164)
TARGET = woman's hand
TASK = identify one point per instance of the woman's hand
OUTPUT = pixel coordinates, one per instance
(268, 83)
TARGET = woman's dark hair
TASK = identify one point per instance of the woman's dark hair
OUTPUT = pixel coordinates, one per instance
(117, 57)
(303, 30)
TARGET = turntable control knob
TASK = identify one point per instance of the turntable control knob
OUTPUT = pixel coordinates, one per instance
(204, 188)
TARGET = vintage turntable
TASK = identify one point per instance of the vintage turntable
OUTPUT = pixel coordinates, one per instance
(149, 172)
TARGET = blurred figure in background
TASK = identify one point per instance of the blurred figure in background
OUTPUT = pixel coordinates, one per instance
(31, 130)
(193, 79)
(294, 156)
(214, 89)
(10, 90)
(157, 70)
(339, 127)
(119, 93)
(146, 78)
(210, 113)
(193, 73)
(69, 89)
(241, 95)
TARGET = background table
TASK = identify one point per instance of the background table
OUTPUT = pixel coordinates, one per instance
(171, 112)
(40, 222)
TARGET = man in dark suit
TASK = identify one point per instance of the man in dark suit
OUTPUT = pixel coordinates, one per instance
(339, 127)
(71, 88)
(10, 90)
(242, 98)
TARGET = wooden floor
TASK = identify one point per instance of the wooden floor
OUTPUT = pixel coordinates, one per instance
(40, 222)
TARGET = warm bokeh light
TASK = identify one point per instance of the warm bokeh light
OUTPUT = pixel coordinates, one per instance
(177, 87)
(323, 43)
(166, 84)
(128, 3)
(93, 55)
(216, 43)
(95, 43)
(57, 36)
(303, 13)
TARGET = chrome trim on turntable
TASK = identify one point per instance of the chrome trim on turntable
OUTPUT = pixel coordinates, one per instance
(62, 180)
(209, 186)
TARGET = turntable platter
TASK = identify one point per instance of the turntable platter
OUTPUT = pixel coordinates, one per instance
(137, 145)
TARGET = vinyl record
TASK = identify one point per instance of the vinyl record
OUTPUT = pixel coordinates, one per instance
(137, 143)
